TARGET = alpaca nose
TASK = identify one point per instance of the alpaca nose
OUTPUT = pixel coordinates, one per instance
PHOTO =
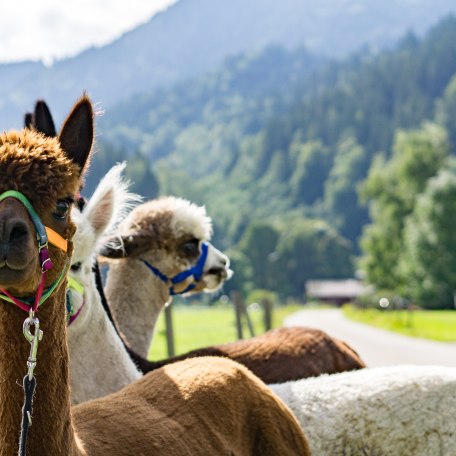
(14, 223)
(219, 271)
(16, 230)
(13, 230)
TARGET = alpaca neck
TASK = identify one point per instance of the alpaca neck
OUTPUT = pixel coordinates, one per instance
(51, 431)
(107, 369)
(136, 298)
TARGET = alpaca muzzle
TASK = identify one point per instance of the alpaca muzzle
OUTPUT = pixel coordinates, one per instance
(15, 230)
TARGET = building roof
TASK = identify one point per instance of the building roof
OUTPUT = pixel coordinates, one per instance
(349, 288)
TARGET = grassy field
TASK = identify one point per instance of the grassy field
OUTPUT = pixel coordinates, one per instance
(436, 325)
(198, 326)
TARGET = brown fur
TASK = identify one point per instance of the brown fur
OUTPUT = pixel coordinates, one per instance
(39, 168)
(200, 407)
(283, 354)
(31, 161)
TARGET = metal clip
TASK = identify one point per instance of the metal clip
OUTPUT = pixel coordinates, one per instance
(33, 340)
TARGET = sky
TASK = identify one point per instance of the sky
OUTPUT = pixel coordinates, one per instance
(51, 29)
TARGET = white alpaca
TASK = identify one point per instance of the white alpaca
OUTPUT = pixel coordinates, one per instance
(166, 234)
(385, 411)
(95, 347)
(99, 362)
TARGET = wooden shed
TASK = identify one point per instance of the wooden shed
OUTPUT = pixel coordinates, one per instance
(334, 291)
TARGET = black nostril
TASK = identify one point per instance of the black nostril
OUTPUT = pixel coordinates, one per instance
(17, 231)
(217, 271)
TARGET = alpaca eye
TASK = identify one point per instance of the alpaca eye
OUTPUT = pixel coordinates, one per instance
(190, 247)
(76, 266)
(61, 209)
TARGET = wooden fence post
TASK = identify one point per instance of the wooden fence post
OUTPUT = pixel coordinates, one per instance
(247, 317)
(237, 303)
(267, 313)
(169, 329)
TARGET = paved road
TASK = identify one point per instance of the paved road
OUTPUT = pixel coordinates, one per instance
(377, 347)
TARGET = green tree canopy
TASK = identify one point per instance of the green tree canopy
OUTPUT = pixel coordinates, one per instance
(138, 171)
(311, 165)
(446, 112)
(258, 244)
(391, 189)
(243, 273)
(428, 264)
(310, 249)
(341, 189)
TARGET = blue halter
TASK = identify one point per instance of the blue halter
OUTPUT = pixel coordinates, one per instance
(196, 271)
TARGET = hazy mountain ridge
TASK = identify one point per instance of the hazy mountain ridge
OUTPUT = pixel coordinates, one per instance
(194, 36)
(245, 90)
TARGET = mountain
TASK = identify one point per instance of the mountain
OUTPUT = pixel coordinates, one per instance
(204, 116)
(246, 90)
(295, 142)
(194, 36)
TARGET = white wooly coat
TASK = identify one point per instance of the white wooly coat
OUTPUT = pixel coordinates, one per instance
(135, 295)
(99, 363)
(385, 411)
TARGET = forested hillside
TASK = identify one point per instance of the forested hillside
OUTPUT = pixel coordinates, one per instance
(278, 143)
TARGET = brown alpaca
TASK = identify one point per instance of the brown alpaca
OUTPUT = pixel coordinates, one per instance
(278, 356)
(206, 406)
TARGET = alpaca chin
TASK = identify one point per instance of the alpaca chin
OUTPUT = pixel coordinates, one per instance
(13, 277)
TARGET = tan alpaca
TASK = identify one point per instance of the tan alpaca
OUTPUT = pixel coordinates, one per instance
(206, 406)
(167, 233)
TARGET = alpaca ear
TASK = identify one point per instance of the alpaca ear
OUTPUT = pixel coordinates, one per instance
(125, 246)
(76, 136)
(43, 120)
(100, 210)
(28, 120)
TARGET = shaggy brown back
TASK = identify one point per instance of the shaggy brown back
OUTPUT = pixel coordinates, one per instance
(198, 407)
(283, 354)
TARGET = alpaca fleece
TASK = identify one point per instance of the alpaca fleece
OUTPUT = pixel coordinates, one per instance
(201, 407)
(34, 163)
(384, 411)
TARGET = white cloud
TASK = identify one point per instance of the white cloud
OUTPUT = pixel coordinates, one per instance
(50, 29)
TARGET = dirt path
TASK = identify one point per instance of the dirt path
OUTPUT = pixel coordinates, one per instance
(377, 347)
